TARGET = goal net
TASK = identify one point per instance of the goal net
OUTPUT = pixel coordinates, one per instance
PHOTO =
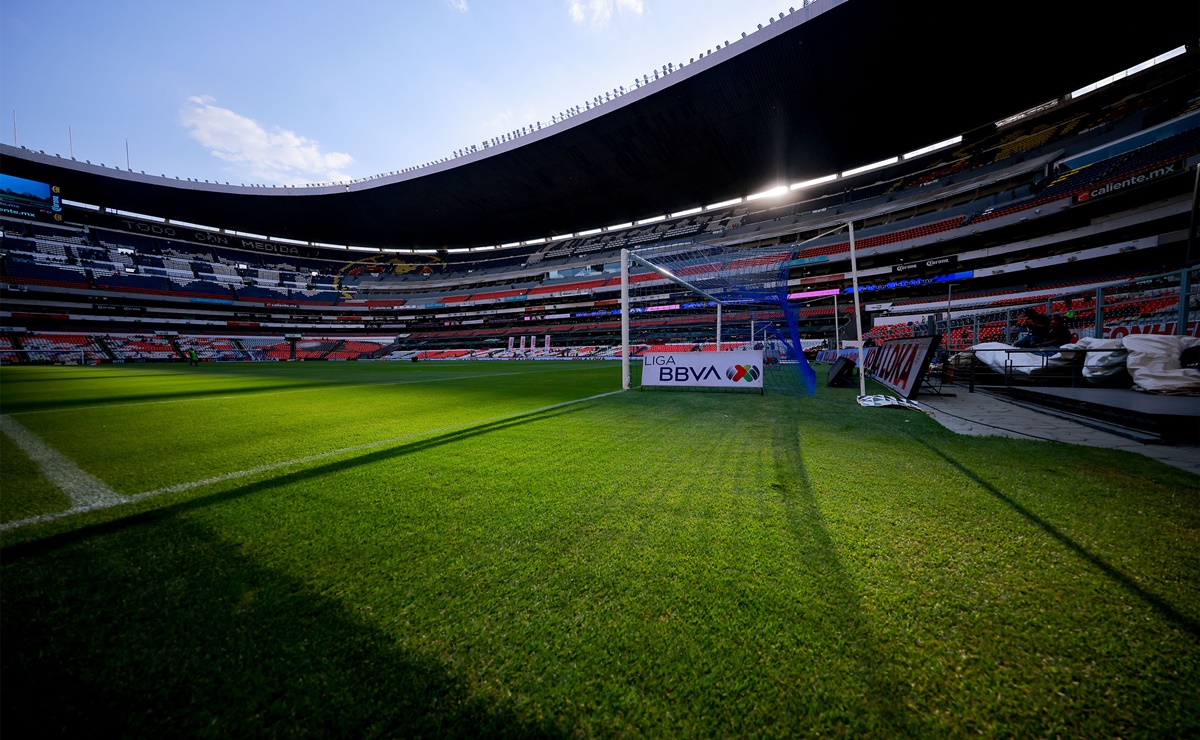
(698, 297)
(11, 356)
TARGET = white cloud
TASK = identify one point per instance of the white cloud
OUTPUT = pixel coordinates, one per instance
(507, 120)
(501, 121)
(459, 5)
(275, 157)
(598, 13)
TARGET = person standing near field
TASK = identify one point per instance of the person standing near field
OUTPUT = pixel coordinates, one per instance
(1057, 334)
(1035, 330)
(193, 358)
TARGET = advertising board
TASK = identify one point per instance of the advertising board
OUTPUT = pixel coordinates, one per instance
(900, 364)
(741, 369)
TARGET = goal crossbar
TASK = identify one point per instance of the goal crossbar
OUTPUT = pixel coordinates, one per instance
(735, 287)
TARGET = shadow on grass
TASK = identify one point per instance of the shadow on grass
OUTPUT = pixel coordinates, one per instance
(166, 630)
(305, 473)
(96, 402)
(90, 377)
(886, 696)
(1155, 602)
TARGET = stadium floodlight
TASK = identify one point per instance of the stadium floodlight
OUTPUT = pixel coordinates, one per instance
(651, 220)
(688, 212)
(810, 183)
(933, 147)
(1131, 71)
(772, 193)
(723, 204)
(872, 166)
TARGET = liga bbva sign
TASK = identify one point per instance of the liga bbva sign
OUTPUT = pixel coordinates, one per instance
(742, 369)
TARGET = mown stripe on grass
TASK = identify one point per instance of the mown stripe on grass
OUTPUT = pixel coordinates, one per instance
(120, 500)
(325, 387)
(86, 491)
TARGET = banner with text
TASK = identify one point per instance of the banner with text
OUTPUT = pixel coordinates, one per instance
(900, 364)
(741, 369)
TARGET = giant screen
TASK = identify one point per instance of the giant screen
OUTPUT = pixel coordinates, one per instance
(30, 199)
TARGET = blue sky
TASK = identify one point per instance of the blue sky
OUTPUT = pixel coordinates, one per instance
(275, 92)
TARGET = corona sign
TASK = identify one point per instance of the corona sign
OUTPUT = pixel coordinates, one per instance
(742, 369)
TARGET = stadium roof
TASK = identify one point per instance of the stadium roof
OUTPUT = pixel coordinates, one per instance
(829, 87)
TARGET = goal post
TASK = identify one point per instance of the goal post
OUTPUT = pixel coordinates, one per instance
(698, 297)
(12, 356)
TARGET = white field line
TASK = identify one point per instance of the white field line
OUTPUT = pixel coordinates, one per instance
(252, 394)
(85, 490)
(123, 500)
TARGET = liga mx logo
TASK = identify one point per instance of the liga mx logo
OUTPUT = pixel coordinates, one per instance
(748, 373)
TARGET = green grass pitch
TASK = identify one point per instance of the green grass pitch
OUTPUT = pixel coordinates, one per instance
(474, 549)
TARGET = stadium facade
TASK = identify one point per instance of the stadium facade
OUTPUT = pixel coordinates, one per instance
(1034, 191)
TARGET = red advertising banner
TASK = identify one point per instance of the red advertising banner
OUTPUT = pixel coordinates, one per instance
(901, 364)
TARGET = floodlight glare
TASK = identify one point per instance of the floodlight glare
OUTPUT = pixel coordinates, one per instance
(810, 183)
(933, 147)
(869, 167)
(773, 192)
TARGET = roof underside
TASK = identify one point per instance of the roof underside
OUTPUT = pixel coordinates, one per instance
(863, 81)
